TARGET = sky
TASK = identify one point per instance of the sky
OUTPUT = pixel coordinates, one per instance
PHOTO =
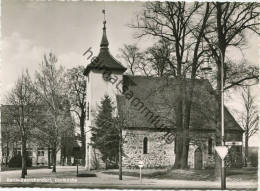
(30, 29)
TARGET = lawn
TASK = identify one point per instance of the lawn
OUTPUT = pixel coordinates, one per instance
(189, 174)
(249, 173)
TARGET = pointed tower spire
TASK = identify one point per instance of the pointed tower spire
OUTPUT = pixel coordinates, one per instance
(106, 60)
(104, 42)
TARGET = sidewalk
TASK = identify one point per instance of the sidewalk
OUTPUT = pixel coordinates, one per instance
(66, 178)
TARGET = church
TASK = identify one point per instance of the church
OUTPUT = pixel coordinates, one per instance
(148, 105)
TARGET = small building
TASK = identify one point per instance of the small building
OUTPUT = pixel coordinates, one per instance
(148, 105)
(37, 146)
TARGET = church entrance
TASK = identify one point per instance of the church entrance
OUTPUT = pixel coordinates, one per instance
(198, 159)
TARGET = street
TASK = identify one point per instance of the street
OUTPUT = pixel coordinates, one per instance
(66, 178)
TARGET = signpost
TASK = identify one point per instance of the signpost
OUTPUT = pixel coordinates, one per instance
(141, 165)
(222, 152)
(76, 154)
(233, 143)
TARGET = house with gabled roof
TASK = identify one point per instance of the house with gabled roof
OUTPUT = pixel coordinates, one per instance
(38, 148)
(148, 105)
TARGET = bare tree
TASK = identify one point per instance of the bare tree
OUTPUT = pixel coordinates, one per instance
(22, 109)
(227, 27)
(77, 86)
(10, 132)
(132, 56)
(181, 24)
(160, 57)
(50, 87)
(249, 118)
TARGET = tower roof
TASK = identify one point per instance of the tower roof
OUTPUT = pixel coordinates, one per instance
(104, 42)
(104, 60)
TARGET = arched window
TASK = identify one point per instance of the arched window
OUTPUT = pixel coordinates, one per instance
(145, 146)
(210, 146)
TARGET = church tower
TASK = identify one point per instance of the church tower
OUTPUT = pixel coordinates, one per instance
(98, 72)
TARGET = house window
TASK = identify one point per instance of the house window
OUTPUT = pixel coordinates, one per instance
(29, 152)
(210, 146)
(40, 152)
(18, 151)
(145, 146)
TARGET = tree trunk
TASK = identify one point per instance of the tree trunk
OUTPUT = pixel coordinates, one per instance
(185, 151)
(62, 155)
(246, 148)
(23, 157)
(83, 139)
(179, 133)
(106, 165)
(7, 153)
(186, 122)
(120, 154)
(49, 158)
(54, 158)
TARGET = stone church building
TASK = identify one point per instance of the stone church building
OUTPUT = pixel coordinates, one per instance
(148, 105)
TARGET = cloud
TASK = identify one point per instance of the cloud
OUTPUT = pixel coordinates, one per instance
(71, 59)
(19, 54)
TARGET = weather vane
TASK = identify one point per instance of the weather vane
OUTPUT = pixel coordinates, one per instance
(104, 12)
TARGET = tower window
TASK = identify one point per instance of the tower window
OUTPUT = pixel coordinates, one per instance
(145, 145)
(210, 146)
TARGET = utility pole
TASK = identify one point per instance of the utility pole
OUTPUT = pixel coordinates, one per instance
(223, 174)
(221, 150)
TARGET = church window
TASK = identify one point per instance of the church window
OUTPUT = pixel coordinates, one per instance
(210, 146)
(145, 146)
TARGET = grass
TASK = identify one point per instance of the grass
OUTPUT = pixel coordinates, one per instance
(174, 174)
(249, 173)
(189, 174)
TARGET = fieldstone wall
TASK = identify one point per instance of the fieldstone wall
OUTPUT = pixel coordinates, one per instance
(200, 140)
(160, 154)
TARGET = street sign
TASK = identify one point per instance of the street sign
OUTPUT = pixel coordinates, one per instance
(141, 164)
(231, 143)
(222, 151)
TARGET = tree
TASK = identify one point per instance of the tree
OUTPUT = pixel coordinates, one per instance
(105, 136)
(42, 134)
(119, 122)
(160, 57)
(249, 118)
(10, 132)
(50, 87)
(227, 29)
(23, 111)
(181, 24)
(77, 87)
(132, 56)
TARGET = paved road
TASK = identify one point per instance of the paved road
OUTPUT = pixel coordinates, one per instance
(66, 178)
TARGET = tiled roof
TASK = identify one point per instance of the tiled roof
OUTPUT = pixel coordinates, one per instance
(159, 96)
(105, 61)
